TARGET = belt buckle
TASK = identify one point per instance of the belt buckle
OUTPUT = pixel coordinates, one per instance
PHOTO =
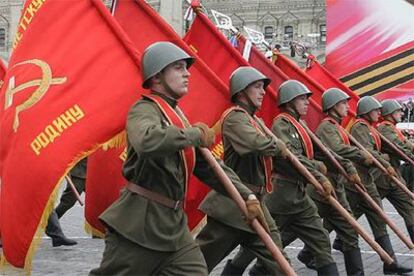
(177, 205)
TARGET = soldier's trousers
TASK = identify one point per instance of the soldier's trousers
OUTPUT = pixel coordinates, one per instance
(332, 220)
(68, 199)
(397, 197)
(217, 240)
(123, 257)
(307, 226)
(407, 172)
(360, 207)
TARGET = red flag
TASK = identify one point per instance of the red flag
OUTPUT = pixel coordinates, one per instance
(223, 58)
(289, 70)
(104, 181)
(72, 78)
(144, 26)
(327, 80)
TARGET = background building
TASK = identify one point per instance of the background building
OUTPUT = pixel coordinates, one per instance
(281, 21)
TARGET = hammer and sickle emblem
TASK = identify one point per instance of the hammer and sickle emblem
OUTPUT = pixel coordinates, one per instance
(42, 84)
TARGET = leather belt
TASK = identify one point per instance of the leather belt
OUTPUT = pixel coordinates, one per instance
(260, 190)
(153, 196)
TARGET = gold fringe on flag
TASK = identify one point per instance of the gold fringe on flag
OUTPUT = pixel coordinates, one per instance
(117, 141)
(50, 205)
(89, 229)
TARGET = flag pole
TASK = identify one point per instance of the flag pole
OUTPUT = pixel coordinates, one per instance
(361, 190)
(396, 149)
(73, 188)
(382, 168)
(235, 195)
(335, 204)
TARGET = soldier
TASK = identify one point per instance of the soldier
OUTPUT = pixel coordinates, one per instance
(391, 111)
(368, 110)
(335, 104)
(248, 151)
(147, 227)
(290, 205)
(68, 198)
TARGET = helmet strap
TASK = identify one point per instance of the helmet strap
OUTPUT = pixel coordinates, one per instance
(249, 101)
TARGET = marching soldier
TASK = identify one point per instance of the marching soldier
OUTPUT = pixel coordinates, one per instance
(68, 198)
(248, 151)
(290, 205)
(147, 227)
(335, 104)
(391, 112)
(368, 111)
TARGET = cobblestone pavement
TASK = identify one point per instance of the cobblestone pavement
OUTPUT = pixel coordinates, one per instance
(79, 259)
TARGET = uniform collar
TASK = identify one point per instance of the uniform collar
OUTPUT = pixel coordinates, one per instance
(293, 113)
(171, 101)
(335, 117)
(251, 110)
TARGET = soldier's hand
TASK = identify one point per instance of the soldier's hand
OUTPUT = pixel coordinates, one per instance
(357, 180)
(207, 135)
(254, 211)
(391, 171)
(322, 168)
(367, 159)
(386, 157)
(327, 189)
(282, 148)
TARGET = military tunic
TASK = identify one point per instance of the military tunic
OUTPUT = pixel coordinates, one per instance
(144, 236)
(290, 205)
(361, 132)
(386, 188)
(244, 146)
(329, 134)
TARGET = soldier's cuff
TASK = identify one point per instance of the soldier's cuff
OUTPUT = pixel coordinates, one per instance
(193, 135)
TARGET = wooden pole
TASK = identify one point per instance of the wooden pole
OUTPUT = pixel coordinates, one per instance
(382, 168)
(363, 192)
(235, 195)
(73, 188)
(396, 149)
(339, 208)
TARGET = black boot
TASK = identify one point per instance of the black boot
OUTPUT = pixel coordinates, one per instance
(353, 262)
(393, 268)
(54, 231)
(306, 257)
(337, 244)
(411, 232)
(230, 269)
(328, 270)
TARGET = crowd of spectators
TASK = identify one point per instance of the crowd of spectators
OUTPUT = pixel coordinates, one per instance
(408, 108)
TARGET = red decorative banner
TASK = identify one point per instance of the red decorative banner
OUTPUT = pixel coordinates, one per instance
(67, 90)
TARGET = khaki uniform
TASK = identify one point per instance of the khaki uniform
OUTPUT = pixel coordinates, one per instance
(145, 237)
(243, 148)
(359, 206)
(290, 205)
(330, 136)
(386, 188)
(68, 198)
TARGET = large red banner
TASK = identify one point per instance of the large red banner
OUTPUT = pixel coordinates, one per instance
(71, 80)
(207, 99)
(223, 58)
